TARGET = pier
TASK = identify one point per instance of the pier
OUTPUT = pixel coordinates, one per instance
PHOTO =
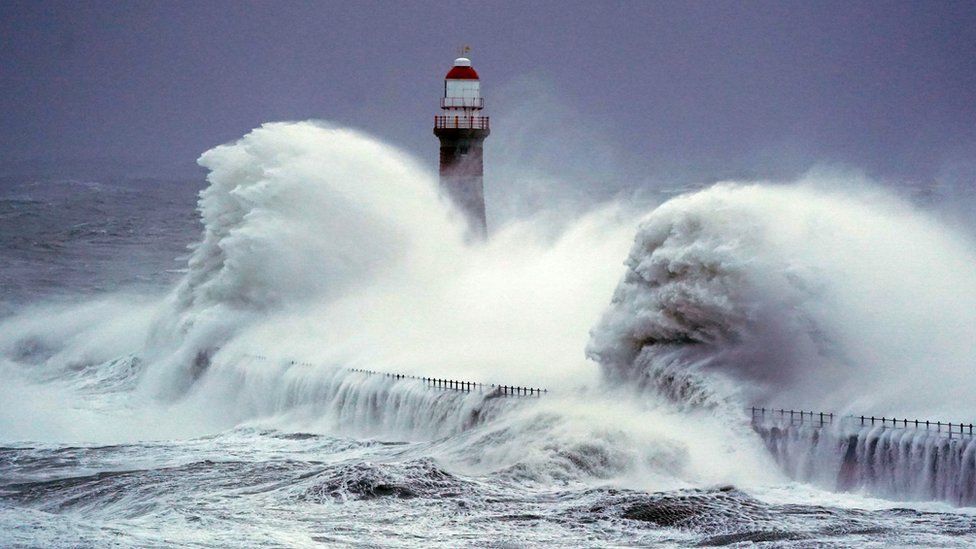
(463, 386)
(771, 417)
(896, 458)
(490, 389)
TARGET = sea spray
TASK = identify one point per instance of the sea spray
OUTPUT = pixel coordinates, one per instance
(745, 295)
(802, 294)
(295, 213)
(323, 244)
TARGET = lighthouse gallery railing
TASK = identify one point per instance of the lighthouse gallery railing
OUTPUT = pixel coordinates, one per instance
(461, 122)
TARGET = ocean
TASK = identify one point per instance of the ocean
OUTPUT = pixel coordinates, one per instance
(246, 361)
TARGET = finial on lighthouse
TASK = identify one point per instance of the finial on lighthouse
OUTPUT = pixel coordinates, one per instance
(462, 132)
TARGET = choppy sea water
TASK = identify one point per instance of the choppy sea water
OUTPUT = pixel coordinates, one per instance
(259, 488)
(64, 238)
(260, 482)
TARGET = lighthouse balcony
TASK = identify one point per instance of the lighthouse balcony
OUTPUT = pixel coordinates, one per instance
(461, 123)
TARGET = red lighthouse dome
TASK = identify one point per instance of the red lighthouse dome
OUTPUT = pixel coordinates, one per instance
(462, 70)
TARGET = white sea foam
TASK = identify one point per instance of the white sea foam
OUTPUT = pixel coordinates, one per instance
(810, 296)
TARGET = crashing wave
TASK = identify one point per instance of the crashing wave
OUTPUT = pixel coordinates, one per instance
(801, 294)
(902, 464)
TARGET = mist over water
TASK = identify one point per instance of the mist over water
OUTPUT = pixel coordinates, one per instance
(325, 246)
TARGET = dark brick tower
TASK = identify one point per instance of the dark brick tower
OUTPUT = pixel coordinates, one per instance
(462, 132)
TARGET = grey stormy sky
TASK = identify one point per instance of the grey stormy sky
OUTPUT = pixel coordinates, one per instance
(658, 89)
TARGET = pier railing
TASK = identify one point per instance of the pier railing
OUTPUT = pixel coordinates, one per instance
(444, 384)
(463, 386)
(822, 419)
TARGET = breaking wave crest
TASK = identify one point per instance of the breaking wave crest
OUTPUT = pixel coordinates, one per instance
(807, 295)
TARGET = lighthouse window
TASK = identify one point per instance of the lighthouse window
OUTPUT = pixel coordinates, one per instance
(463, 149)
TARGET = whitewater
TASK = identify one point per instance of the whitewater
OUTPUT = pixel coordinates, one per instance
(225, 404)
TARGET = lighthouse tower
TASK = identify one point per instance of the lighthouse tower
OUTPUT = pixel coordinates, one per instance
(462, 131)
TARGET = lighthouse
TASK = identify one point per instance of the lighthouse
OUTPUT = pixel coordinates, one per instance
(462, 132)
